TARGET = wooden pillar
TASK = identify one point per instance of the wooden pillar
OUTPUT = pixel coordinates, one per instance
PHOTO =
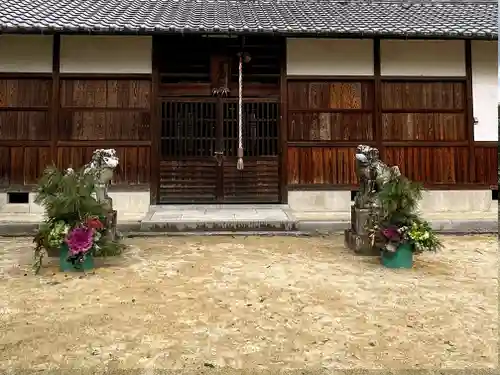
(155, 127)
(377, 98)
(56, 92)
(283, 129)
(469, 110)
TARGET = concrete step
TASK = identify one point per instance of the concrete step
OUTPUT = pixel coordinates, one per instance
(218, 226)
(218, 218)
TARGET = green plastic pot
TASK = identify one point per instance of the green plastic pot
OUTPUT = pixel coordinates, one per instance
(401, 258)
(65, 266)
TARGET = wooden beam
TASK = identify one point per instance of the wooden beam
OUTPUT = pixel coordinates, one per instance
(155, 128)
(55, 104)
(343, 144)
(331, 78)
(377, 98)
(469, 110)
(103, 143)
(113, 76)
(283, 129)
(343, 187)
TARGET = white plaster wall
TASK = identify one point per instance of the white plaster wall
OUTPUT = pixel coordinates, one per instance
(433, 202)
(131, 206)
(485, 89)
(437, 201)
(25, 53)
(106, 54)
(324, 57)
(422, 57)
(321, 200)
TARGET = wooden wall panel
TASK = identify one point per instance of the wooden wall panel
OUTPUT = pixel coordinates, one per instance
(103, 113)
(321, 165)
(303, 95)
(5, 174)
(431, 165)
(24, 125)
(36, 159)
(423, 111)
(25, 93)
(105, 125)
(24, 106)
(106, 110)
(486, 164)
(105, 93)
(330, 111)
(424, 127)
(22, 165)
(327, 119)
(321, 126)
(134, 167)
(437, 96)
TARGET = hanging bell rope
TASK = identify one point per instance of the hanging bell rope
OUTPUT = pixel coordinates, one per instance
(239, 164)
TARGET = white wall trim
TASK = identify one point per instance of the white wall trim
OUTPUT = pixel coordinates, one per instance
(484, 59)
(25, 53)
(329, 57)
(429, 58)
(96, 54)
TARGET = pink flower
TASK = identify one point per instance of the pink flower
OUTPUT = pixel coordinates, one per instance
(390, 233)
(79, 240)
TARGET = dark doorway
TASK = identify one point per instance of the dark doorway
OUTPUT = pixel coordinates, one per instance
(199, 144)
(198, 99)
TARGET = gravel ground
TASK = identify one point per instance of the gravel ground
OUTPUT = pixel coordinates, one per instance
(250, 302)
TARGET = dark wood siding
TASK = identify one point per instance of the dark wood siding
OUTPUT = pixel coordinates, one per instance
(423, 111)
(106, 113)
(93, 113)
(110, 110)
(20, 165)
(424, 131)
(329, 165)
(24, 129)
(486, 163)
(432, 165)
(326, 120)
(333, 111)
(134, 167)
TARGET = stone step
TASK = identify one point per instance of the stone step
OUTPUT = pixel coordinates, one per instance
(218, 218)
(218, 226)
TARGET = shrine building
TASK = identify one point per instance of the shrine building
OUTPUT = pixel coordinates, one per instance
(159, 81)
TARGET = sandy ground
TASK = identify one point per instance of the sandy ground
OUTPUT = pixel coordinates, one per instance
(269, 302)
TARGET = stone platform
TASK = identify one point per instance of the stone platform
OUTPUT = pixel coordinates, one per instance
(246, 220)
(214, 218)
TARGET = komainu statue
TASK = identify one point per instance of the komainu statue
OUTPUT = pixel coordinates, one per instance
(366, 195)
(102, 165)
(372, 174)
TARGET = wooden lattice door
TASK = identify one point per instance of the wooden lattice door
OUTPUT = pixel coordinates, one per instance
(188, 170)
(199, 143)
(258, 181)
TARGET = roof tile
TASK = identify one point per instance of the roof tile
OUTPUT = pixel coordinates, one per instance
(456, 18)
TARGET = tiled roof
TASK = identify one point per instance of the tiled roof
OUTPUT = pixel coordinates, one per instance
(452, 18)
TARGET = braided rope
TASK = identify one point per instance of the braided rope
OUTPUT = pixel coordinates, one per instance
(239, 164)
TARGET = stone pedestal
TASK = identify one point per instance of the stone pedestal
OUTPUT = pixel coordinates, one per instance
(110, 224)
(357, 238)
